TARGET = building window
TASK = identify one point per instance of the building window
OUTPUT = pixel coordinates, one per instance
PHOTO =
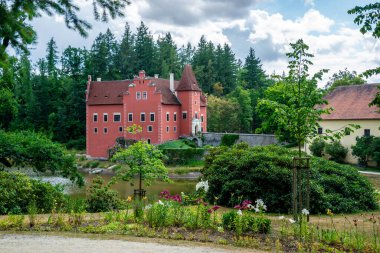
(120, 129)
(150, 128)
(175, 129)
(320, 130)
(367, 132)
(142, 117)
(96, 130)
(130, 117)
(196, 115)
(167, 129)
(138, 95)
(105, 130)
(105, 117)
(175, 116)
(184, 115)
(145, 95)
(148, 141)
(152, 118)
(167, 116)
(202, 118)
(116, 117)
(95, 117)
(202, 129)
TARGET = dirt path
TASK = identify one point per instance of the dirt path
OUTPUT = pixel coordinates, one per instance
(24, 243)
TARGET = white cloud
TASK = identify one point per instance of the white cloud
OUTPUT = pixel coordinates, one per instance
(309, 3)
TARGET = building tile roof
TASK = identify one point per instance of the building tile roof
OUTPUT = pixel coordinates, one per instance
(351, 102)
(188, 81)
(163, 86)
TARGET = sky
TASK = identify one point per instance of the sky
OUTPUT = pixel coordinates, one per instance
(266, 25)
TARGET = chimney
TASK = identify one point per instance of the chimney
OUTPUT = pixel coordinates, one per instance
(142, 74)
(171, 82)
(156, 76)
(98, 79)
(89, 78)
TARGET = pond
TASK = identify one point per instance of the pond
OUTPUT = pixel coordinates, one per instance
(124, 188)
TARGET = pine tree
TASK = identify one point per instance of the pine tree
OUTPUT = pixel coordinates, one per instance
(168, 57)
(145, 51)
(127, 57)
(254, 75)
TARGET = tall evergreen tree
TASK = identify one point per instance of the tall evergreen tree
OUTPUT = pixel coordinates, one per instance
(253, 74)
(145, 51)
(127, 56)
(168, 58)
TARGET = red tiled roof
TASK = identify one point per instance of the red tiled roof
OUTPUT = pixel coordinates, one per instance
(351, 102)
(111, 92)
(188, 81)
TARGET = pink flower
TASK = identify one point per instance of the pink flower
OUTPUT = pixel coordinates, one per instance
(210, 210)
(215, 208)
(237, 207)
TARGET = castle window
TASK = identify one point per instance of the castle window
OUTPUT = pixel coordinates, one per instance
(148, 140)
(142, 117)
(175, 116)
(105, 130)
(367, 132)
(145, 95)
(152, 117)
(175, 129)
(150, 128)
(120, 129)
(130, 117)
(167, 129)
(105, 117)
(184, 115)
(167, 116)
(96, 130)
(202, 118)
(138, 95)
(195, 102)
(95, 117)
(116, 117)
(196, 115)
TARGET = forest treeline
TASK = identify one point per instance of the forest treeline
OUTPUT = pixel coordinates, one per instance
(49, 96)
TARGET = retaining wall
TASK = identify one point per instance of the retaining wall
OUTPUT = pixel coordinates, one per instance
(214, 139)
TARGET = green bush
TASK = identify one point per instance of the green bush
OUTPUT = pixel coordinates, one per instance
(79, 144)
(229, 139)
(317, 147)
(336, 151)
(175, 156)
(265, 172)
(367, 148)
(102, 198)
(18, 191)
(249, 222)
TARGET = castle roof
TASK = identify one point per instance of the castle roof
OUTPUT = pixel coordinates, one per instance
(188, 81)
(351, 102)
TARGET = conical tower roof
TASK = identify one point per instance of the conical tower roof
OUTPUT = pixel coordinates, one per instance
(188, 81)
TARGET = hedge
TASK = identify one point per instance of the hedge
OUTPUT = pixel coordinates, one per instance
(182, 156)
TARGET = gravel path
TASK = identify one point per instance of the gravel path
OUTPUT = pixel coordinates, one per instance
(21, 243)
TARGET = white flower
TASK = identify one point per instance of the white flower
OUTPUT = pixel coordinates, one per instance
(160, 202)
(292, 221)
(257, 210)
(305, 211)
(202, 184)
(148, 207)
(220, 229)
(260, 206)
(281, 217)
(250, 206)
(239, 212)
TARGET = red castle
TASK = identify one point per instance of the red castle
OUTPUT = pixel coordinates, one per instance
(165, 109)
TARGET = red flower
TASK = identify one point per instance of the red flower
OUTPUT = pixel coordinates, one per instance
(237, 207)
(215, 208)
(210, 210)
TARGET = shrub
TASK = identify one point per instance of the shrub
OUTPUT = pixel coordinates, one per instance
(79, 144)
(102, 198)
(367, 148)
(317, 147)
(18, 192)
(247, 221)
(336, 151)
(229, 139)
(265, 172)
(182, 156)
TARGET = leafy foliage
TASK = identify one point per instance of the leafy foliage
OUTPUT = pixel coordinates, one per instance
(179, 156)
(343, 78)
(37, 151)
(336, 151)
(367, 148)
(229, 139)
(317, 147)
(265, 172)
(18, 192)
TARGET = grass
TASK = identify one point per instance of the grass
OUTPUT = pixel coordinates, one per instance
(184, 169)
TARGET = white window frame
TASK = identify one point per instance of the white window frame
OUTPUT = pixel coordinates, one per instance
(116, 113)
(150, 117)
(184, 112)
(105, 114)
(130, 114)
(144, 95)
(167, 129)
(150, 126)
(167, 116)
(175, 117)
(95, 130)
(138, 95)
(143, 113)
(93, 117)
(105, 130)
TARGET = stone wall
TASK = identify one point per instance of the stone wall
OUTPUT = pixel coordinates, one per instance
(214, 139)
